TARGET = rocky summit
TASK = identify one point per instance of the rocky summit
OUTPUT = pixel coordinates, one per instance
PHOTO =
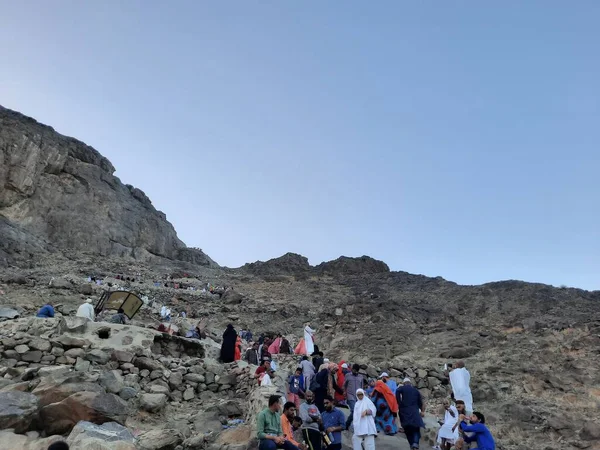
(70, 230)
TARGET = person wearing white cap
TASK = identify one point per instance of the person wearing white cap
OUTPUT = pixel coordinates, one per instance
(411, 412)
(86, 310)
(390, 383)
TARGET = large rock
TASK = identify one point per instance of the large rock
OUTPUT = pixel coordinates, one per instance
(153, 402)
(58, 386)
(590, 432)
(107, 432)
(57, 192)
(112, 381)
(150, 364)
(166, 439)
(68, 342)
(98, 356)
(59, 418)
(17, 410)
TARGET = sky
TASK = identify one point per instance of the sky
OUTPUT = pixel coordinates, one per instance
(455, 139)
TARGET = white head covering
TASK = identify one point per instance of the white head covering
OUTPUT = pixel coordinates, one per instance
(364, 425)
(89, 300)
(344, 366)
(407, 380)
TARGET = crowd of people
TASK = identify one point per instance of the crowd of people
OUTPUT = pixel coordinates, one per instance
(319, 390)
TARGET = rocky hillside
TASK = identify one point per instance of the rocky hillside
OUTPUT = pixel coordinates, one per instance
(533, 350)
(57, 193)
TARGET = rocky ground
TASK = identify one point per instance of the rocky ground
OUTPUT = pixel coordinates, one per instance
(532, 350)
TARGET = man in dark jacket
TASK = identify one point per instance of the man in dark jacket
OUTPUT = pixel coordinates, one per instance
(411, 411)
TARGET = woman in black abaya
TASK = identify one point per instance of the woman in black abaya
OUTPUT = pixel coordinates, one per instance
(228, 345)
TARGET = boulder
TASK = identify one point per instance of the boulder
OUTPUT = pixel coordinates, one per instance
(590, 432)
(112, 381)
(34, 356)
(21, 349)
(188, 394)
(81, 365)
(68, 342)
(127, 393)
(153, 402)
(17, 410)
(144, 363)
(166, 439)
(195, 378)
(42, 345)
(107, 432)
(75, 353)
(175, 380)
(8, 313)
(61, 417)
(97, 356)
(122, 356)
(55, 388)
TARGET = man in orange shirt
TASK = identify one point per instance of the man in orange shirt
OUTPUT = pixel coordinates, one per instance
(289, 412)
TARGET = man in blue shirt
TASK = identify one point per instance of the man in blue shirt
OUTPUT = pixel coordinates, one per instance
(334, 423)
(482, 434)
(296, 388)
(46, 311)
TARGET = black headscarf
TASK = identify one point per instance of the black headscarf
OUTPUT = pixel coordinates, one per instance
(228, 346)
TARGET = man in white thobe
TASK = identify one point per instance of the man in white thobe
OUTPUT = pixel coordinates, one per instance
(460, 379)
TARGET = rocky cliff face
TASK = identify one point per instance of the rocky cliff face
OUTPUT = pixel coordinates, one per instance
(63, 194)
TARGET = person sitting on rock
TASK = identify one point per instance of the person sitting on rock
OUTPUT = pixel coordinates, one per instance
(263, 368)
(86, 310)
(46, 311)
(266, 379)
(268, 428)
(480, 432)
(119, 317)
(287, 418)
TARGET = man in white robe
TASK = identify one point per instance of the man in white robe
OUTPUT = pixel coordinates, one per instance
(86, 310)
(308, 339)
(460, 379)
(448, 433)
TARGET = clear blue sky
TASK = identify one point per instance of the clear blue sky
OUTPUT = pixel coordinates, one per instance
(459, 139)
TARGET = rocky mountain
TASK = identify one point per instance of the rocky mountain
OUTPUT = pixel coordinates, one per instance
(533, 350)
(58, 193)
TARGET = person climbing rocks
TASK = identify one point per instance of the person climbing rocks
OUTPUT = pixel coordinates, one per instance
(285, 347)
(387, 408)
(363, 422)
(460, 379)
(237, 354)
(308, 371)
(228, 345)
(352, 383)
(389, 382)
(86, 310)
(268, 427)
(334, 422)
(251, 356)
(275, 345)
(411, 412)
(318, 359)
(295, 387)
(475, 424)
(46, 311)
